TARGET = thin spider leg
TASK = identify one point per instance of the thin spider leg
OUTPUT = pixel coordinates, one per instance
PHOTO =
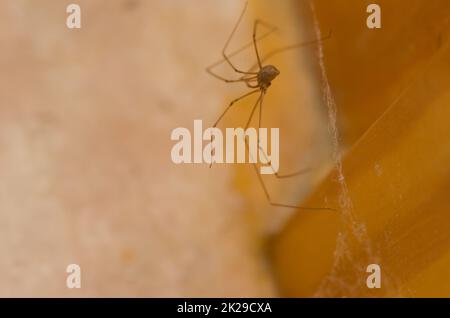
(257, 105)
(285, 175)
(253, 80)
(226, 80)
(275, 173)
(255, 26)
(255, 166)
(259, 120)
(231, 105)
(229, 40)
(248, 78)
(266, 192)
(256, 46)
(296, 46)
(289, 47)
(266, 157)
(226, 110)
(252, 86)
(258, 102)
(221, 61)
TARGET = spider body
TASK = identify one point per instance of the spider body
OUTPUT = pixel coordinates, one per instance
(266, 75)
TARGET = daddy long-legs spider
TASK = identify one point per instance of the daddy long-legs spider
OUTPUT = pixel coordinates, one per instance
(259, 78)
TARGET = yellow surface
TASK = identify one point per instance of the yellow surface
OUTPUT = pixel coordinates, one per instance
(392, 92)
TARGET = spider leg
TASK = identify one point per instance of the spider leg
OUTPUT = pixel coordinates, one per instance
(229, 40)
(275, 173)
(227, 109)
(252, 86)
(255, 27)
(271, 202)
(246, 46)
(231, 105)
(228, 56)
(290, 47)
(255, 166)
(266, 157)
(226, 80)
(258, 102)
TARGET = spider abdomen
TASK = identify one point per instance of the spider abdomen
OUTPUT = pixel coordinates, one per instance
(266, 75)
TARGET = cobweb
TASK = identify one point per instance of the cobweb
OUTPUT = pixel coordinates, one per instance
(354, 231)
(348, 270)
